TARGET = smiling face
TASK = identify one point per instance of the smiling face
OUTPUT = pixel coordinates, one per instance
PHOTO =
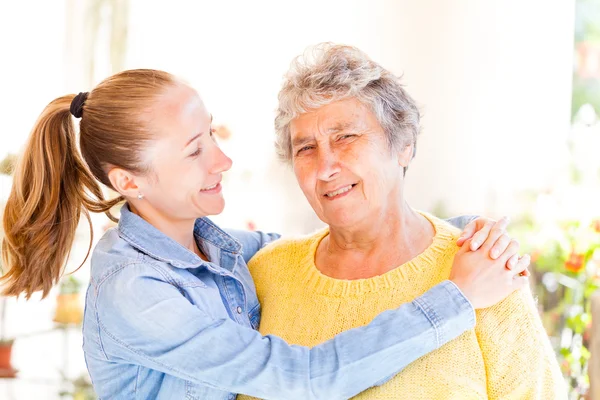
(344, 165)
(186, 162)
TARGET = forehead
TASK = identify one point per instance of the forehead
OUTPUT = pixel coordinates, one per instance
(340, 115)
(180, 106)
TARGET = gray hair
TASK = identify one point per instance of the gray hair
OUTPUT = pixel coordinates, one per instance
(327, 73)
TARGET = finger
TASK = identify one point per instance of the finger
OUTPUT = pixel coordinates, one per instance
(511, 250)
(500, 245)
(497, 231)
(482, 234)
(465, 247)
(467, 233)
(512, 262)
(521, 266)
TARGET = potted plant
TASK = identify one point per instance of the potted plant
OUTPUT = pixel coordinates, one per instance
(6, 343)
(68, 306)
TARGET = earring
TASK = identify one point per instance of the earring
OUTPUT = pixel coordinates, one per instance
(140, 196)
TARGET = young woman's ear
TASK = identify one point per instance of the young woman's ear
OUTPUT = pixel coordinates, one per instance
(124, 182)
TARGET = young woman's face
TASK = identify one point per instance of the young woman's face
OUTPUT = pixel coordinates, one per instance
(187, 164)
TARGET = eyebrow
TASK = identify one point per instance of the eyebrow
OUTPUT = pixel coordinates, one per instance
(302, 140)
(192, 139)
(338, 127)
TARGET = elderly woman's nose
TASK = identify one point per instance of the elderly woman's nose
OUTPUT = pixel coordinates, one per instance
(328, 165)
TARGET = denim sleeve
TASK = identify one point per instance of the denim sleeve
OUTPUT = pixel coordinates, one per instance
(461, 221)
(252, 241)
(153, 325)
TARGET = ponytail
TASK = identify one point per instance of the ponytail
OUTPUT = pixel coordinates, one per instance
(52, 186)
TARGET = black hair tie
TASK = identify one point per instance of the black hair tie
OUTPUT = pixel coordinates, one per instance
(77, 104)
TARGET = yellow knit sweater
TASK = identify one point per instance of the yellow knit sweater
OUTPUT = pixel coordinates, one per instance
(507, 355)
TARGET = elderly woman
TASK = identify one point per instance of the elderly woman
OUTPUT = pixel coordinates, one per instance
(349, 130)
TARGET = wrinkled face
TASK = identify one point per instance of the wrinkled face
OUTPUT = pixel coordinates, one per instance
(187, 164)
(344, 165)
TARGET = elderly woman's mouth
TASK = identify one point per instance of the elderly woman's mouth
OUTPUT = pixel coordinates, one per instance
(339, 192)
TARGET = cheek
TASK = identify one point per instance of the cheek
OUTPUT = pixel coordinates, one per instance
(305, 177)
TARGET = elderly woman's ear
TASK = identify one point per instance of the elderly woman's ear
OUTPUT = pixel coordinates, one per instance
(406, 155)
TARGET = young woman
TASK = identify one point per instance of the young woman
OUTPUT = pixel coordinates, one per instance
(171, 309)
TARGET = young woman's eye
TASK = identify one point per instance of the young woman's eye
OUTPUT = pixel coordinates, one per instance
(196, 153)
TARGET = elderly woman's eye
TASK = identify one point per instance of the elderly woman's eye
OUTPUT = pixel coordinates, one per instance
(305, 148)
(346, 136)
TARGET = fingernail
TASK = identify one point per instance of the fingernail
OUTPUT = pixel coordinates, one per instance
(494, 254)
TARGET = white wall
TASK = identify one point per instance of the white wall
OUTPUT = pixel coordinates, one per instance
(493, 79)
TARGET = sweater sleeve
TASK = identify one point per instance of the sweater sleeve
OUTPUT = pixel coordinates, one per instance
(519, 359)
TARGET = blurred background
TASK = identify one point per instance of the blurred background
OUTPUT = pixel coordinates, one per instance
(509, 91)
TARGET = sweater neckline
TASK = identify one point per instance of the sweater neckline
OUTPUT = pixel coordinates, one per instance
(317, 282)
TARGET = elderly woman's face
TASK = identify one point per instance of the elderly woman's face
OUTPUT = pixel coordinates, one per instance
(343, 163)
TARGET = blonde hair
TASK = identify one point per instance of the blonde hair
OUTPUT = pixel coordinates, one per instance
(327, 73)
(54, 183)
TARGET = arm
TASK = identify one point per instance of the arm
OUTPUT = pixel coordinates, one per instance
(461, 221)
(160, 329)
(518, 357)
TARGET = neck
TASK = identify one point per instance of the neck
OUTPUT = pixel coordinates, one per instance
(182, 231)
(377, 246)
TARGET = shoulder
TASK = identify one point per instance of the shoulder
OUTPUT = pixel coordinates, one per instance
(446, 234)
(519, 306)
(511, 319)
(287, 251)
(114, 256)
(292, 245)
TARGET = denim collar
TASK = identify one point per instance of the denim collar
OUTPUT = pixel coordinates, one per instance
(149, 240)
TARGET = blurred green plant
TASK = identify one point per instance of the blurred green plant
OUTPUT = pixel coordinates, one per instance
(567, 270)
(561, 231)
(6, 168)
(7, 165)
(70, 285)
(82, 389)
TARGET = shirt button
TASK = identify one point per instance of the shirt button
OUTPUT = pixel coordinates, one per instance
(239, 310)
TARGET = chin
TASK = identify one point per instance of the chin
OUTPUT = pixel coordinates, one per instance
(216, 209)
(342, 220)
(206, 209)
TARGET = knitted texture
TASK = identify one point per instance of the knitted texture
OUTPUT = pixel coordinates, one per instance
(507, 356)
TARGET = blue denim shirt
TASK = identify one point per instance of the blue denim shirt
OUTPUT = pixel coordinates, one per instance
(161, 323)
